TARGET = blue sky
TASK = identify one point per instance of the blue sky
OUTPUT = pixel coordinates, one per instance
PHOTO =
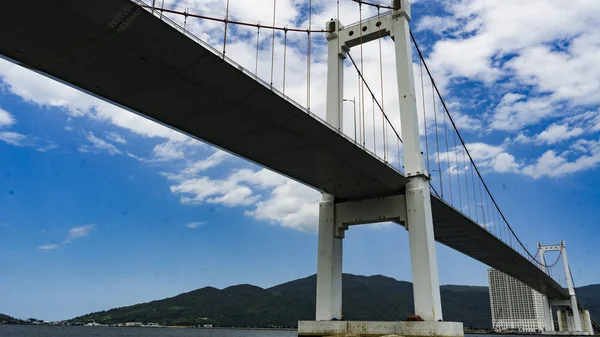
(100, 208)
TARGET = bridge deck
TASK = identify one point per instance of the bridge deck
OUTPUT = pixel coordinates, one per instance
(121, 53)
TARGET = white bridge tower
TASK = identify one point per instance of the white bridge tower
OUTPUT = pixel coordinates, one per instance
(411, 208)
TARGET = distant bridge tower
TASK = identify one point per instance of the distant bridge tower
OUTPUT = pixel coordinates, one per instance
(575, 320)
(411, 208)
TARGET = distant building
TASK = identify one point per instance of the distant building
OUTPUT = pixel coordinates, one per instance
(134, 324)
(515, 306)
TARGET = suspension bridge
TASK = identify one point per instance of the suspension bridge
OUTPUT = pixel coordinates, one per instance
(136, 56)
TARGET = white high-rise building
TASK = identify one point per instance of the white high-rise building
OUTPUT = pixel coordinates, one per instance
(515, 306)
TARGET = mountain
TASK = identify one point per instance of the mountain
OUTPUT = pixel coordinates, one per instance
(589, 296)
(364, 298)
(5, 319)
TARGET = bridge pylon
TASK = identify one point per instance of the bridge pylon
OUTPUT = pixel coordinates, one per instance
(411, 208)
(570, 321)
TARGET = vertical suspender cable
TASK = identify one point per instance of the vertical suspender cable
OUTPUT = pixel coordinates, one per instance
(448, 158)
(424, 116)
(466, 181)
(374, 139)
(474, 192)
(437, 142)
(361, 113)
(361, 83)
(482, 207)
(308, 47)
(257, 41)
(273, 43)
(284, 56)
(225, 30)
(381, 80)
(399, 160)
(185, 15)
(457, 173)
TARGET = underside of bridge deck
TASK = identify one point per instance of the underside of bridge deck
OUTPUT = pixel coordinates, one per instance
(117, 51)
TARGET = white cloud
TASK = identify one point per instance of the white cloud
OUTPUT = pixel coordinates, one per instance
(556, 133)
(504, 162)
(13, 138)
(114, 137)
(79, 232)
(551, 164)
(205, 189)
(436, 24)
(48, 247)
(194, 225)
(515, 111)
(6, 119)
(97, 144)
(291, 205)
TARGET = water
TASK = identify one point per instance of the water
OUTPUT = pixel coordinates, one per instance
(84, 331)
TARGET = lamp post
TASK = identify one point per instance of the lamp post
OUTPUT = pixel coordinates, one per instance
(353, 101)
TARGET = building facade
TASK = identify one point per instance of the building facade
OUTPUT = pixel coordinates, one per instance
(515, 306)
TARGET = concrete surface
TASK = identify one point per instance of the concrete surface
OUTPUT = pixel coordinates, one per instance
(376, 329)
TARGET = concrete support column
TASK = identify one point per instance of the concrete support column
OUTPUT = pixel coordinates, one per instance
(574, 306)
(426, 287)
(329, 270)
(547, 314)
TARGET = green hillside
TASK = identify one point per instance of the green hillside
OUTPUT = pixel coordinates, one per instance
(364, 298)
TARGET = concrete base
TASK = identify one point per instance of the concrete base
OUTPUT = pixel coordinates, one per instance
(376, 329)
(566, 333)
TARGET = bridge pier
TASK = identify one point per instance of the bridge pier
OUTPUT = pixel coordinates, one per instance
(411, 208)
(329, 269)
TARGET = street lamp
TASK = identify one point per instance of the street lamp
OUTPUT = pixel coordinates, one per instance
(483, 213)
(353, 100)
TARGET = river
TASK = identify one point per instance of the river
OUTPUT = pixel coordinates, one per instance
(84, 331)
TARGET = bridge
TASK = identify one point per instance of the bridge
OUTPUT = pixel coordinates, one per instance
(130, 54)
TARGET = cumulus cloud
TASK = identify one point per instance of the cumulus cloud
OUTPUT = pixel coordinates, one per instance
(552, 164)
(114, 137)
(97, 145)
(556, 133)
(6, 119)
(13, 138)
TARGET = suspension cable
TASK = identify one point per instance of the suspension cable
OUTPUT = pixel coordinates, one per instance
(381, 80)
(225, 30)
(437, 142)
(374, 4)
(257, 41)
(372, 95)
(284, 57)
(308, 54)
(424, 115)
(464, 145)
(234, 22)
(457, 173)
(273, 43)
(362, 83)
(374, 141)
(448, 159)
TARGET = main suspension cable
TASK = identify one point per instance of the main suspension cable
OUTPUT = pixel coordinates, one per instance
(373, 95)
(464, 145)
